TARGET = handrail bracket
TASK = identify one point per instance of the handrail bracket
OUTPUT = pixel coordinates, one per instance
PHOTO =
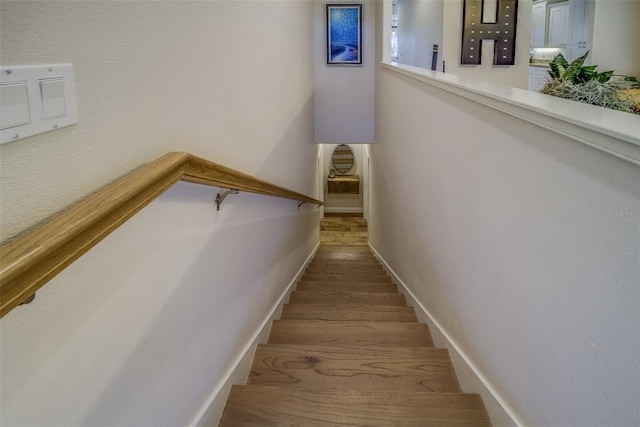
(29, 299)
(221, 196)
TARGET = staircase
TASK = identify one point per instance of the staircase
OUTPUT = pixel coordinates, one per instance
(348, 351)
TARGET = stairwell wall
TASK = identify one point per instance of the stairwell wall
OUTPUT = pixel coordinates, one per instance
(145, 327)
(522, 244)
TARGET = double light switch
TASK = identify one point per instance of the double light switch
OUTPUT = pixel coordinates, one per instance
(36, 99)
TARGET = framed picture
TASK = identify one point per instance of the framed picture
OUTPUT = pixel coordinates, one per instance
(344, 34)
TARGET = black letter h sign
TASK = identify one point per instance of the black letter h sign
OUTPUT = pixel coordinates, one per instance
(503, 32)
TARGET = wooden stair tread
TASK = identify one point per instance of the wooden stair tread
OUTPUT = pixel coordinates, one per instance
(339, 219)
(344, 248)
(349, 312)
(346, 230)
(361, 368)
(346, 286)
(356, 241)
(328, 235)
(339, 273)
(349, 266)
(337, 263)
(252, 405)
(350, 228)
(344, 352)
(345, 263)
(347, 297)
(328, 277)
(437, 379)
(296, 355)
(345, 256)
(403, 334)
(340, 252)
(371, 264)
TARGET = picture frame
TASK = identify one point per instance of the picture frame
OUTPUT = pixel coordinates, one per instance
(344, 34)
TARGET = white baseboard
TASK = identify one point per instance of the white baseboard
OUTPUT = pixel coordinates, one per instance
(343, 210)
(471, 378)
(211, 412)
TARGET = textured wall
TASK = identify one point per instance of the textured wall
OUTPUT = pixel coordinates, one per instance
(156, 77)
(615, 37)
(523, 244)
(142, 328)
(344, 95)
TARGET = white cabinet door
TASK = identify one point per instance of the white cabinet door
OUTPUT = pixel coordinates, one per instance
(578, 32)
(575, 52)
(538, 24)
(558, 24)
(577, 22)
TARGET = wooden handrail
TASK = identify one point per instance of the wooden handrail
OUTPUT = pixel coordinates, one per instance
(34, 258)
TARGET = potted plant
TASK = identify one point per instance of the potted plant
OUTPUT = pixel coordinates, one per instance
(583, 83)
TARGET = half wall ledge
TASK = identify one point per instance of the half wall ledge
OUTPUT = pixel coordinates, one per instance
(614, 132)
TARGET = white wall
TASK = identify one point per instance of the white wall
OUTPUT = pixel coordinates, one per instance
(343, 97)
(523, 245)
(508, 75)
(141, 329)
(615, 36)
(420, 25)
(344, 202)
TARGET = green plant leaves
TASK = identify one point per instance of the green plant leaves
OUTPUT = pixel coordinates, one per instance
(558, 66)
(576, 72)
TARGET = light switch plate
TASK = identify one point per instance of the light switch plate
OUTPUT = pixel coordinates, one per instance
(50, 103)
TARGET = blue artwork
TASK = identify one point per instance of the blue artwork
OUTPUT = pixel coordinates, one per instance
(344, 34)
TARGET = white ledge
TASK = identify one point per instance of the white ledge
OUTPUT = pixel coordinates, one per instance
(613, 132)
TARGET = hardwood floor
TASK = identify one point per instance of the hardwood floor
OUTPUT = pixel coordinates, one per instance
(351, 230)
(348, 351)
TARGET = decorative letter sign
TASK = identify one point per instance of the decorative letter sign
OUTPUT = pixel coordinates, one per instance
(503, 31)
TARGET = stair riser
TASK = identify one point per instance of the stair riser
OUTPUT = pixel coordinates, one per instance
(349, 313)
(350, 333)
(355, 368)
(359, 263)
(430, 378)
(345, 250)
(330, 278)
(352, 229)
(357, 298)
(359, 241)
(310, 356)
(338, 254)
(346, 286)
(274, 406)
(345, 272)
(333, 266)
(343, 233)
